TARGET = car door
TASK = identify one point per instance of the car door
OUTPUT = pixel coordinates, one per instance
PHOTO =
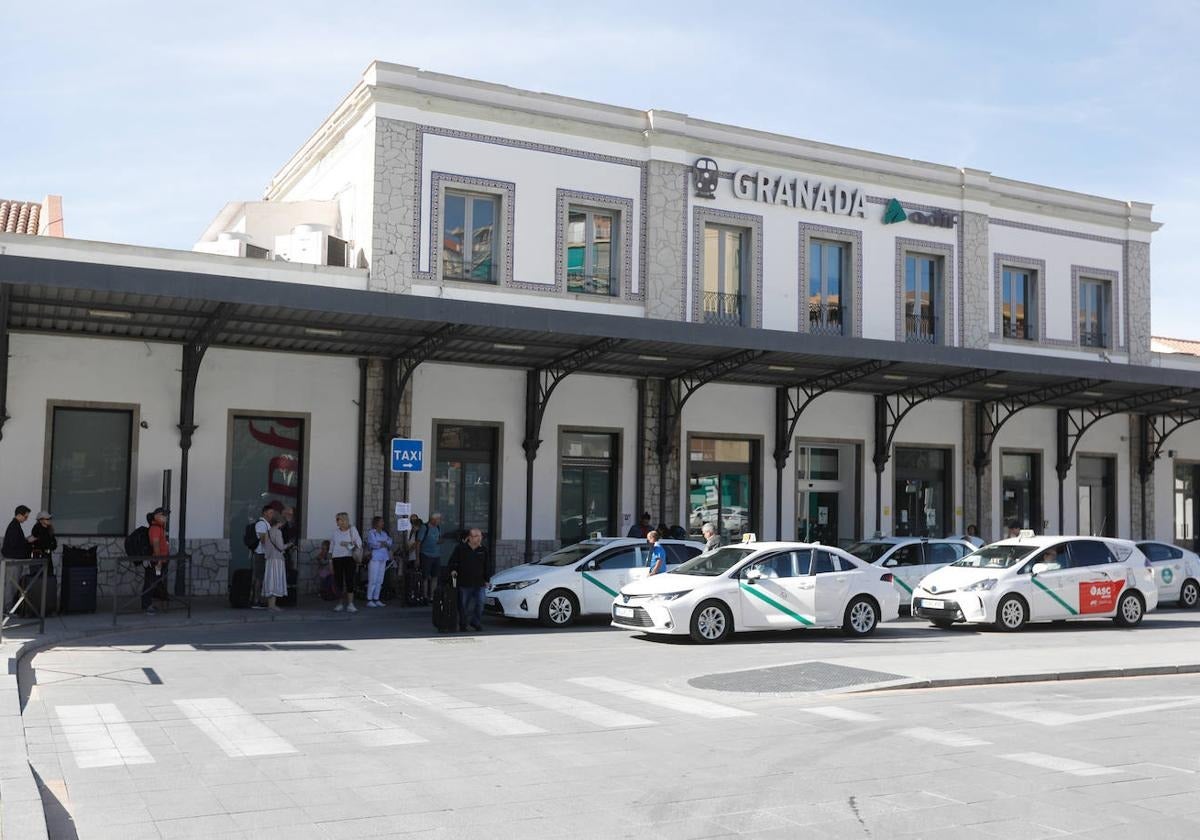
(603, 577)
(681, 552)
(907, 565)
(1054, 593)
(836, 580)
(1168, 568)
(1100, 577)
(782, 597)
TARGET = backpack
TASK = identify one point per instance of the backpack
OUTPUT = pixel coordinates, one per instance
(250, 536)
(137, 544)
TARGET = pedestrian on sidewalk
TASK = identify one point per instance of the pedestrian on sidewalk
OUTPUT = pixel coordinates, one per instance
(474, 566)
(658, 554)
(379, 543)
(712, 540)
(44, 541)
(640, 528)
(275, 567)
(154, 573)
(345, 551)
(17, 546)
(427, 538)
(973, 536)
(262, 528)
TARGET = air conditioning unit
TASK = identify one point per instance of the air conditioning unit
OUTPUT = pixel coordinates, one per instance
(233, 244)
(312, 245)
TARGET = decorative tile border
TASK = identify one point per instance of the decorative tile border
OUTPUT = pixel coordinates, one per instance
(906, 246)
(507, 191)
(1039, 267)
(704, 215)
(1056, 231)
(684, 287)
(851, 237)
(623, 206)
(1083, 272)
(637, 290)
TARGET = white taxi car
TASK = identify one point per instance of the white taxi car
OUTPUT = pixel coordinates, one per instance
(579, 579)
(1177, 570)
(1011, 582)
(910, 559)
(760, 586)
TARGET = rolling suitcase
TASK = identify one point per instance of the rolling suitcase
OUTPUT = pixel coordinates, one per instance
(239, 589)
(445, 605)
(391, 584)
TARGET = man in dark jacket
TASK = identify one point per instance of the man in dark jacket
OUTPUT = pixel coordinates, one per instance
(474, 566)
(17, 546)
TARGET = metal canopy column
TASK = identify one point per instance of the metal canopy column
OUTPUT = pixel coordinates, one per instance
(396, 376)
(788, 408)
(891, 409)
(539, 385)
(1155, 429)
(1073, 423)
(673, 393)
(193, 354)
(991, 415)
(5, 307)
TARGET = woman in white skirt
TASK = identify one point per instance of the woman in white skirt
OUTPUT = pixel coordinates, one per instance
(379, 543)
(275, 575)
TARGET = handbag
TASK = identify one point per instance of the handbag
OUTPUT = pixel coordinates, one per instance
(357, 552)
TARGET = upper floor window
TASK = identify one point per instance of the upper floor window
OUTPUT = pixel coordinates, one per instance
(1018, 303)
(725, 279)
(469, 237)
(1095, 298)
(90, 460)
(922, 297)
(826, 272)
(592, 251)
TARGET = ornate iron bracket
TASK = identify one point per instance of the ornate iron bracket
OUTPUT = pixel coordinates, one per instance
(1156, 428)
(1073, 423)
(991, 415)
(399, 372)
(193, 355)
(677, 390)
(541, 382)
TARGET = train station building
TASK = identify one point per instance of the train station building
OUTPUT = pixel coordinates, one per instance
(585, 312)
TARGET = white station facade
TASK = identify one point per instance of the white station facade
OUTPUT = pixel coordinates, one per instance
(584, 312)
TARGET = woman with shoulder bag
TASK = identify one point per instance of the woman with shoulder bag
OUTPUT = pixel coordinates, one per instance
(274, 583)
(345, 550)
(380, 544)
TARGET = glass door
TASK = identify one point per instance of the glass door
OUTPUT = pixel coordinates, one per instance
(266, 465)
(923, 492)
(722, 486)
(1021, 489)
(587, 486)
(819, 518)
(1095, 496)
(463, 489)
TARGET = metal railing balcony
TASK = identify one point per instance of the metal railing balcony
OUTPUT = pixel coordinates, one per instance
(723, 309)
(1093, 338)
(824, 319)
(920, 329)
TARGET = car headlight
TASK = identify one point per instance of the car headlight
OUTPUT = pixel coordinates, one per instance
(668, 596)
(985, 585)
(516, 584)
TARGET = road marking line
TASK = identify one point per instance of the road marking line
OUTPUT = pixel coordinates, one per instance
(237, 732)
(1028, 712)
(949, 739)
(582, 709)
(838, 713)
(339, 713)
(1061, 765)
(100, 736)
(664, 699)
(484, 718)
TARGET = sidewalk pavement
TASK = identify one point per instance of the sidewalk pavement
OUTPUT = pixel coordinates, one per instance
(1168, 642)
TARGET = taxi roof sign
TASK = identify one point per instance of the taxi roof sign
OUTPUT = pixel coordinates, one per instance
(749, 538)
(1025, 534)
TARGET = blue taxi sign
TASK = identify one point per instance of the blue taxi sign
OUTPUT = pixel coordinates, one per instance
(408, 455)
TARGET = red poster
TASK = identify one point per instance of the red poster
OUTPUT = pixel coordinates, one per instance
(1099, 596)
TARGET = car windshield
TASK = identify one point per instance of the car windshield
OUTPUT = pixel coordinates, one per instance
(996, 557)
(714, 563)
(869, 551)
(567, 555)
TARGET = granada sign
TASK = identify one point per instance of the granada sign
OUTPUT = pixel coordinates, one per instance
(782, 190)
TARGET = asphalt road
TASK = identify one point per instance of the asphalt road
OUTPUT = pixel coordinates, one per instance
(339, 729)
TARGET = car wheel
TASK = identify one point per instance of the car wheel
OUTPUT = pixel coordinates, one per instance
(711, 623)
(1011, 614)
(559, 608)
(862, 617)
(940, 624)
(1189, 594)
(1130, 610)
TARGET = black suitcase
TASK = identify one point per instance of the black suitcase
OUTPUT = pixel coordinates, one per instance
(78, 589)
(445, 606)
(33, 598)
(239, 589)
(292, 598)
(391, 584)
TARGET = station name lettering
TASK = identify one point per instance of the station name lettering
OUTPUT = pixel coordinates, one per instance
(788, 191)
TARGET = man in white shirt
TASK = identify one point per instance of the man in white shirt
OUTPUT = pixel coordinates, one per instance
(973, 536)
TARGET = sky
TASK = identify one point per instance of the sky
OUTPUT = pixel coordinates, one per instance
(147, 117)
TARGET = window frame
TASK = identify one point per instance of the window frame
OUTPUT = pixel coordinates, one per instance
(1036, 308)
(725, 231)
(134, 412)
(751, 289)
(944, 326)
(817, 245)
(936, 295)
(852, 278)
(590, 213)
(620, 258)
(469, 198)
(1008, 274)
(1104, 310)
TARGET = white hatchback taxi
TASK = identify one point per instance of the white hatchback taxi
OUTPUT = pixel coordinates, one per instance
(579, 579)
(759, 586)
(1178, 572)
(910, 559)
(1011, 582)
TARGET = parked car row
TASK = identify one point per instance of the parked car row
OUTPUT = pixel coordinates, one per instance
(789, 585)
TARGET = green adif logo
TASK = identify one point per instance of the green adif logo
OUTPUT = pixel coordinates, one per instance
(893, 213)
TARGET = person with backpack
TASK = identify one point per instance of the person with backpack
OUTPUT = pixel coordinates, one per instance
(258, 557)
(380, 544)
(274, 583)
(155, 569)
(345, 551)
(427, 541)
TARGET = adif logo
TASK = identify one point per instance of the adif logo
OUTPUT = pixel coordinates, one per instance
(894, 213)
(707, 176)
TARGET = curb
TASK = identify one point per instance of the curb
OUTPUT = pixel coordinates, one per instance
(1067, 676)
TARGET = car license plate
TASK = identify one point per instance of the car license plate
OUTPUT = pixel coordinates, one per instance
(623, 612)
(931, 604)
(491, 602)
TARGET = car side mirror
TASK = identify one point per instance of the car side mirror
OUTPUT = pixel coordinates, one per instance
(1040, 568)
(586, 567)
(890, 563)
(753, 576)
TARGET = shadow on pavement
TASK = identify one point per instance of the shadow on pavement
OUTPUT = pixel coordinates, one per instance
(60, 825)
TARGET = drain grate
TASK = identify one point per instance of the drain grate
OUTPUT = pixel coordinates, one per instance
(804, 676)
